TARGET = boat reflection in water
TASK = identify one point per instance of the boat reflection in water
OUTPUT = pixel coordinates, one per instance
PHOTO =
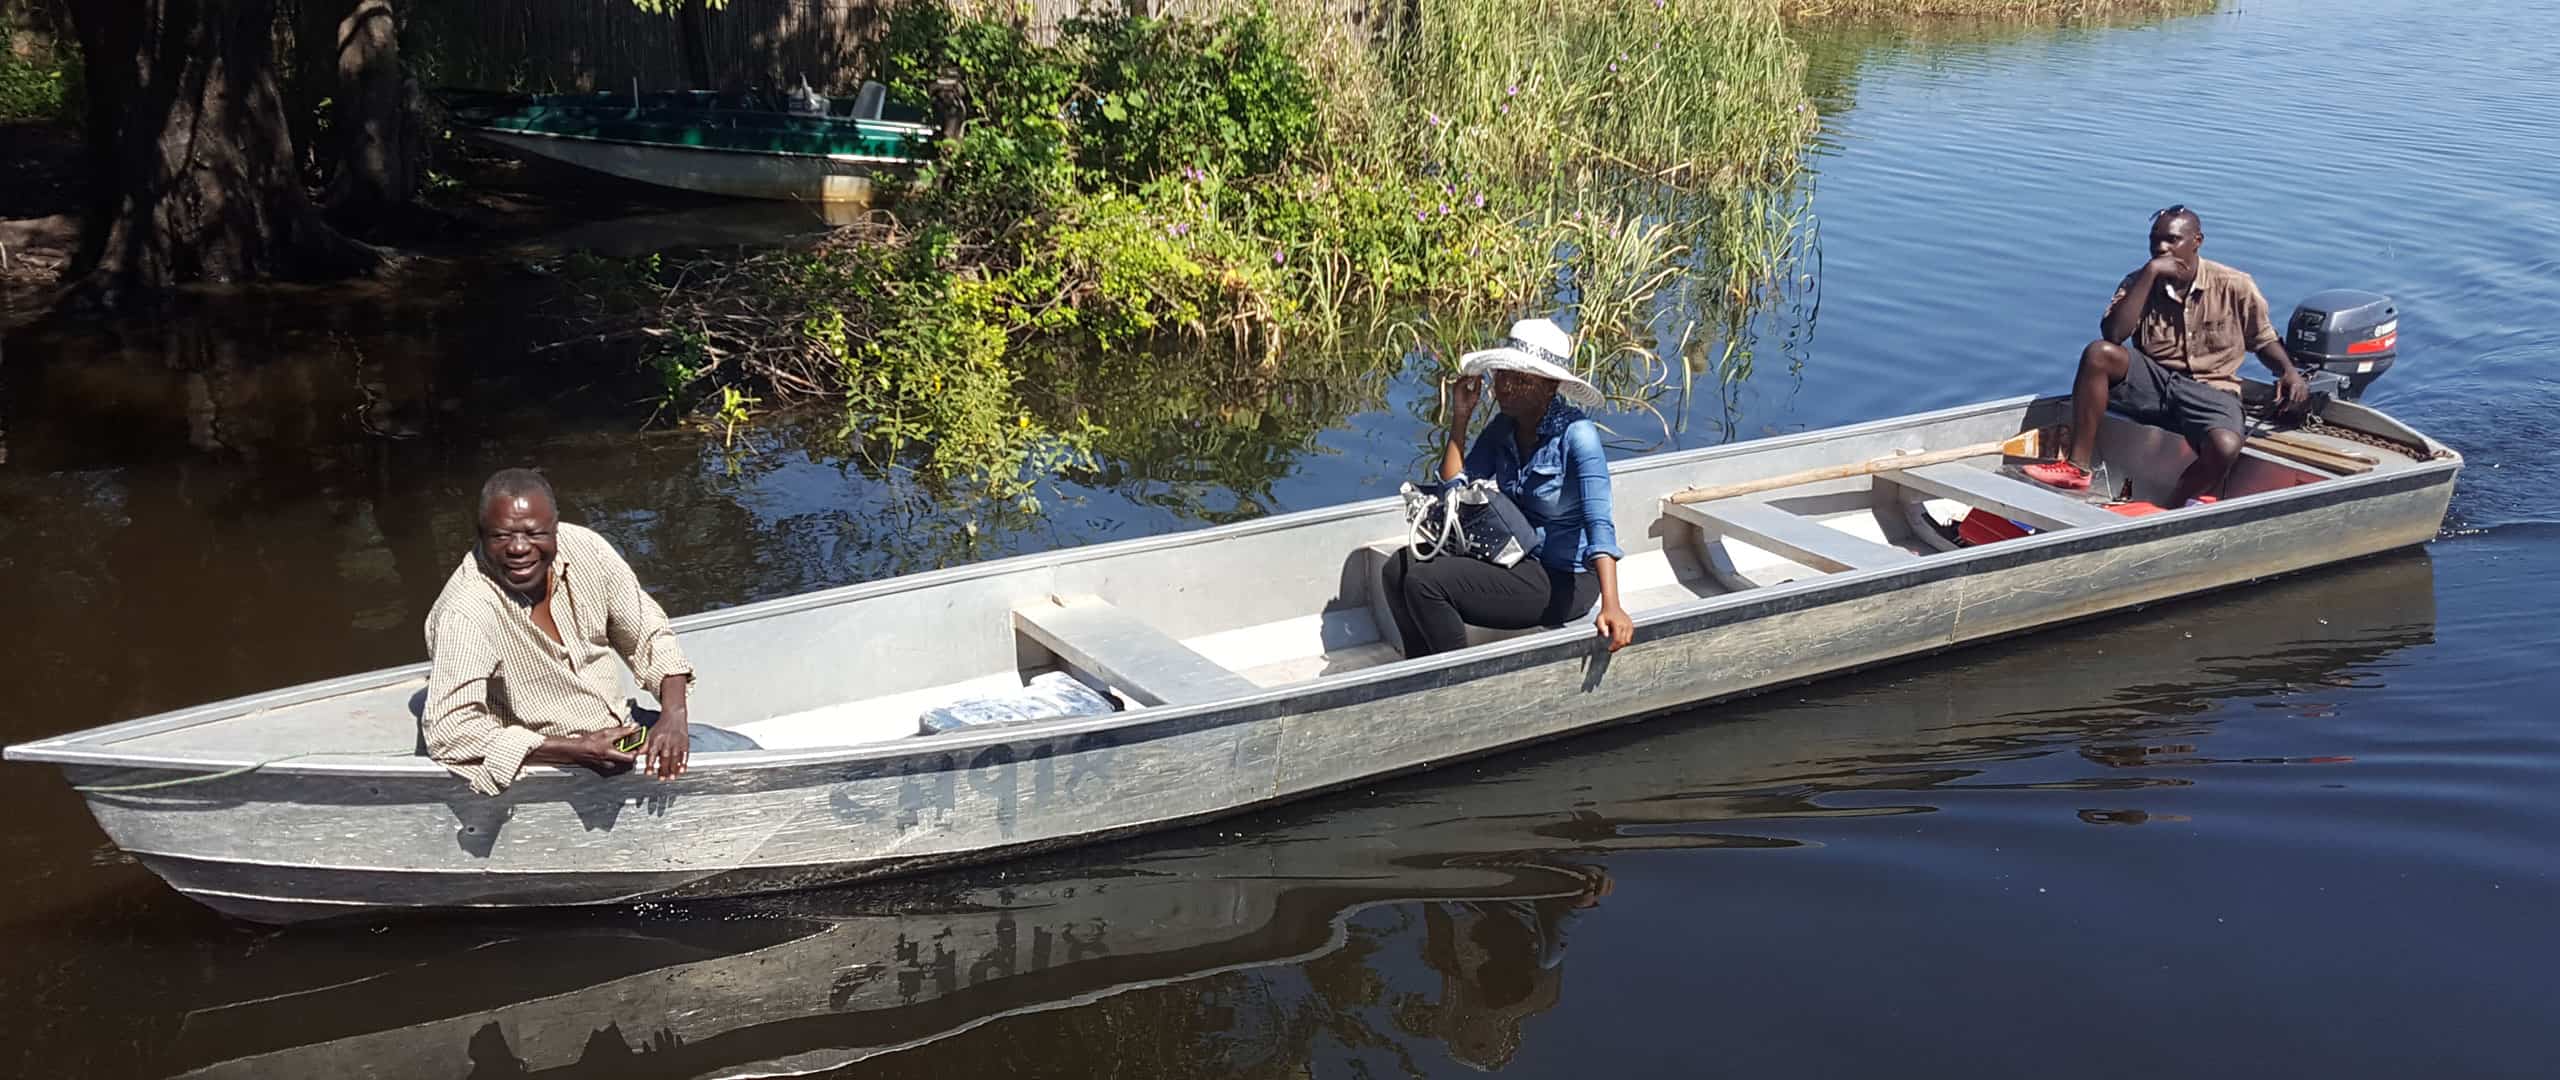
(1429, 911)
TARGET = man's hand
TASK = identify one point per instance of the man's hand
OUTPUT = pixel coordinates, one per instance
(2292, 393)
(1614, 626)
(593, 749)
(2167, 267)
(670, 743)
(1463, 395)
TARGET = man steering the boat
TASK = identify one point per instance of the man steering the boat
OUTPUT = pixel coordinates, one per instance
(2191, 320)
(523, 648)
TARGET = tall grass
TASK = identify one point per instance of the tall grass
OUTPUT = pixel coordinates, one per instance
(1614, 163)
(1993, 9)
(1686, 92)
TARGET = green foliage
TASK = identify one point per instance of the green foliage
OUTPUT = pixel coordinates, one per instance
(1159, 95)
(1253, 189)
(1015, 153)
(44, 85)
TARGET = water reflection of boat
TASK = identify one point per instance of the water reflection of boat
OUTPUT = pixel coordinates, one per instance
(1490, 874)
(1253, 658)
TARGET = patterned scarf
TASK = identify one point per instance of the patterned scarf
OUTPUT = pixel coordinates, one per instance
(1560, 415)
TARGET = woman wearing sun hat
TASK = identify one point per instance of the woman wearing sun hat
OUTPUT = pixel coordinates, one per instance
(1547, 457)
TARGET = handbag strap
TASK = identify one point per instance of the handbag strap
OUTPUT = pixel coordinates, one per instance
(1428, 538)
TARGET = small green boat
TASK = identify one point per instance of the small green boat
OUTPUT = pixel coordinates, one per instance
(754, 146)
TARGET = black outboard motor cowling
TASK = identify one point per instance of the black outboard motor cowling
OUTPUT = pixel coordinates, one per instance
(2351, 337)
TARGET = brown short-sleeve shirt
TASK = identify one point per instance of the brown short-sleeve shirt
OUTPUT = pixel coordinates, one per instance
(2207, 332)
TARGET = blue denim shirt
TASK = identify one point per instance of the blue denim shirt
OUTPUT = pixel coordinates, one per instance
(1563, 487)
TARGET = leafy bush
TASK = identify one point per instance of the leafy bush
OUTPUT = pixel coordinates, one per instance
(1160, 95)
(1015, 154)
(1145, 185)
(42, 86)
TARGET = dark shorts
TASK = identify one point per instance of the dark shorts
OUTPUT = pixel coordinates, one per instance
(2162, 398)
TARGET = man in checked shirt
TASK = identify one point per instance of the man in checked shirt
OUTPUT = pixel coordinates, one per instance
(523, 649)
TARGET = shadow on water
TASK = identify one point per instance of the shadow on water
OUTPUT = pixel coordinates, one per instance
(1431, 912)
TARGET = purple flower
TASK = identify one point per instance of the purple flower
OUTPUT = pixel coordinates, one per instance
(1431, 116)
(1444, 209)
(1422, 215)
(1613, 67)
(1514, 91)
(1506, 108)
(1479, 200)
(1279, 258)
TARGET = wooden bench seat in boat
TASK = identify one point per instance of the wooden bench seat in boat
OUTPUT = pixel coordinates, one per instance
(2019, 500)
(1137, 659)
(1796, 537)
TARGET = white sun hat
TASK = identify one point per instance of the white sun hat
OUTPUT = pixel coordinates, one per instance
(1538, 347)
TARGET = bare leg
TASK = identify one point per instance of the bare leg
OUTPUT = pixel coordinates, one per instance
(2216, 453)
(2102, 365)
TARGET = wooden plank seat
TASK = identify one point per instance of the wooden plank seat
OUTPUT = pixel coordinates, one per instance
(1116, 647)
(2019, 500)
(1794, 536)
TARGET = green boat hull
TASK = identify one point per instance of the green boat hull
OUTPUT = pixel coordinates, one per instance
(704, 143)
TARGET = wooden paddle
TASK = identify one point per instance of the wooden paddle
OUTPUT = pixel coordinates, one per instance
(2025, 444)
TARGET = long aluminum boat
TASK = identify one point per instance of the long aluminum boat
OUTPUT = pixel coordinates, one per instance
(1253, 661)
(797, 985)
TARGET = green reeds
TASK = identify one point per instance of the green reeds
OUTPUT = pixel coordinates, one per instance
(1635, 152)
(1991, 9)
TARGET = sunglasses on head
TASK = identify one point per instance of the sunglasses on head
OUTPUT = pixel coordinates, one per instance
(2166, 211)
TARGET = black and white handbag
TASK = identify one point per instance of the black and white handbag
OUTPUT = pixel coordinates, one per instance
(1465, 517)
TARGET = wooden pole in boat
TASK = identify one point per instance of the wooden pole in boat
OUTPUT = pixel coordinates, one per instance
(2318, 457)
(2025, 444)
(2290, 438)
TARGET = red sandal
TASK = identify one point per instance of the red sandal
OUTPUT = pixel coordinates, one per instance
(2061, 474)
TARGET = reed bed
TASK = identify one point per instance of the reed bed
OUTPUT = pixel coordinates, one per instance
(1626, 153)
(1992, 9)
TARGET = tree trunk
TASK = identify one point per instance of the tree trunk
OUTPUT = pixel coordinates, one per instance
(378, 146)
(195, 167)
(697, 51)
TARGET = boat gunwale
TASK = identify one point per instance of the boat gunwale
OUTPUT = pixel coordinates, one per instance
(850, 159)
(87, 747)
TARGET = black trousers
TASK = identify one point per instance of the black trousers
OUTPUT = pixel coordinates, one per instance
(1435, 601)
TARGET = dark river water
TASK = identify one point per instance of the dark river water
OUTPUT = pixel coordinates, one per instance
(2305, 828)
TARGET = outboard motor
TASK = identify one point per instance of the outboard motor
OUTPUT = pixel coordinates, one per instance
(2343, 339)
